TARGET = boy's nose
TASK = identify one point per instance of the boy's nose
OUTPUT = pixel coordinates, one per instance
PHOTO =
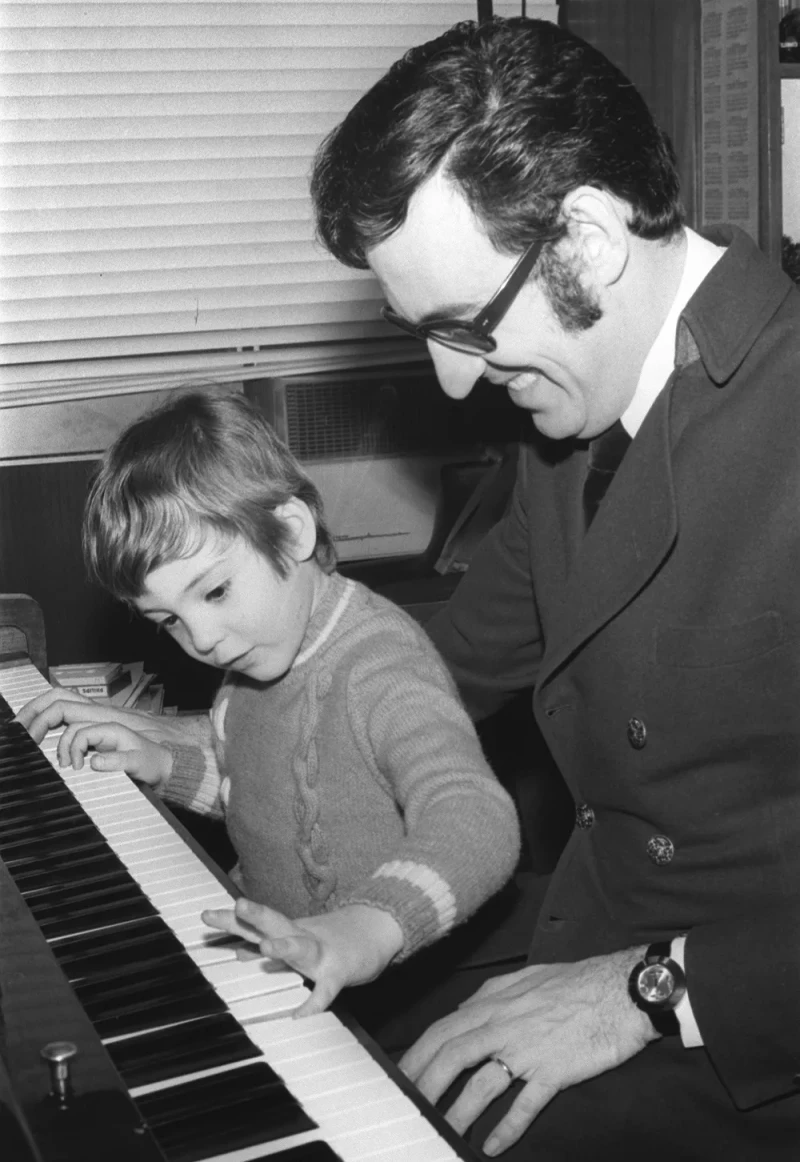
(205, 636)
(456, 371)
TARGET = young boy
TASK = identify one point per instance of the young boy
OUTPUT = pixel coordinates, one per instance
(364, 816)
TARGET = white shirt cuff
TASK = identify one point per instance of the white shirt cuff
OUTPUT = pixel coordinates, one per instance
(690, 1033)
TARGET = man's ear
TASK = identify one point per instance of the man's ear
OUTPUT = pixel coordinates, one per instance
(598, 233)
(300, 520)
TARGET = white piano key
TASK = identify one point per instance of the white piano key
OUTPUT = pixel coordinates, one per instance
(269, 1005)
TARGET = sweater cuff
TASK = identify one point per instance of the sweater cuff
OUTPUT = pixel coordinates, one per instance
(193, 782)
(419, 899)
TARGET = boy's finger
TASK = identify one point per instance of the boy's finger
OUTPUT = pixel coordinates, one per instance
(322, 996)
(302, 953)
(269, 923)
(227, 921)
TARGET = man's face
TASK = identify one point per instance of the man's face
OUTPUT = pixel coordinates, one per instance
(440, 263)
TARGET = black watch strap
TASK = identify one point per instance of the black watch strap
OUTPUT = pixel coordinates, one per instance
(661, 1014)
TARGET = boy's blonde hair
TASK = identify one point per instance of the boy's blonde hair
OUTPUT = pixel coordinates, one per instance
(199, 464)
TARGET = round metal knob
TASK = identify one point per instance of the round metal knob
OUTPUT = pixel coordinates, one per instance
(58, 1055)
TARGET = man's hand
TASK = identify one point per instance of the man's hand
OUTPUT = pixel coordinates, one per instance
(553, 1025)
(348, 946)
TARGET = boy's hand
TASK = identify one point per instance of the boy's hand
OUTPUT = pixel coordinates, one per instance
(351, 945)
(62, 707)
(116, 748)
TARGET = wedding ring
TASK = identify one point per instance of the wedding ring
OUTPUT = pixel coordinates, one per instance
(499, 1061)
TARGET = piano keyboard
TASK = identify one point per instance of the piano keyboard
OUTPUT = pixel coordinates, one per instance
(206, 1044)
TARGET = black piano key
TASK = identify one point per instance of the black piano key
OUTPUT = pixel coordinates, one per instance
(224, 1112)
(77, 842)
(65, 913)
(170, 995)
(93, 955)
(83, 868)
(182, 1049)
(18, 771)
(306, 1152)
(25, 796)
(39, 819)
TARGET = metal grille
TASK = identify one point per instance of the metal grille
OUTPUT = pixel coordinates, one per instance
(392, 416)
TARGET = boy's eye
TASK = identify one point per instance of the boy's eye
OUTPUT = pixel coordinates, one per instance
(168, 622)
(217, 593)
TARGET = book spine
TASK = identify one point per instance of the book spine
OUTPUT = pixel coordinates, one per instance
(92, 691)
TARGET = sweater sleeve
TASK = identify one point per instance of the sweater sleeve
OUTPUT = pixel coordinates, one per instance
(195, 781)
(462, 839)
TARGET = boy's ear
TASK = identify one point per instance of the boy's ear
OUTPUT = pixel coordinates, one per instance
(300, 520)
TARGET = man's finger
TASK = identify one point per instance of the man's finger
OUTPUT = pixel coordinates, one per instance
(416, 1060)
(485, 1085)
(533, 1098)
(456, 1055)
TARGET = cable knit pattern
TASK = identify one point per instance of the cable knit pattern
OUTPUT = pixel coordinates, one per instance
(357, 777)
(318, 874)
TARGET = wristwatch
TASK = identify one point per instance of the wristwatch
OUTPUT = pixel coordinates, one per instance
(656, 986)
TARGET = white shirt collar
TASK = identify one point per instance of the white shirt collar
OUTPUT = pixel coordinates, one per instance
(701, 256)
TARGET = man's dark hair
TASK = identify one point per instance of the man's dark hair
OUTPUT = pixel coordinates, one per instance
(517, 113)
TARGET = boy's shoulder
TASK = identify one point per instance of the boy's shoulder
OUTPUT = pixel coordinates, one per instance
(373, 619)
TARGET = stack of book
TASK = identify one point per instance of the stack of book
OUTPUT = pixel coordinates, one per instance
(122, 683)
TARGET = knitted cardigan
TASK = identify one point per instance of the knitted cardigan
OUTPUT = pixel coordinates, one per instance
(357, 777)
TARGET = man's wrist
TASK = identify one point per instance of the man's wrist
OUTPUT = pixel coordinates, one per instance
(656, 985)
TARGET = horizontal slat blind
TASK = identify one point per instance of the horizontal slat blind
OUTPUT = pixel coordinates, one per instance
(155, 216)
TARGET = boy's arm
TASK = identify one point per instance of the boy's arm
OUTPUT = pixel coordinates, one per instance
(195, 780)
(462, 838)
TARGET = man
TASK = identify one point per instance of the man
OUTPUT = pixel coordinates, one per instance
(658, 625)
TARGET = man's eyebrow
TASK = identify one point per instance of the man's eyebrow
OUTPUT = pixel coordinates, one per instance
(463, 311)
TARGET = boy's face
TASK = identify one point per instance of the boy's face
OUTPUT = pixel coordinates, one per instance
(227, 606)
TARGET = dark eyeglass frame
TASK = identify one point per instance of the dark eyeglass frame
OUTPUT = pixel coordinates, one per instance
(474, 337)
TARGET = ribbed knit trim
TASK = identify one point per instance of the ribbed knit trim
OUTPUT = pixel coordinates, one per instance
(437, 890)
(193, 783)
(329, 626)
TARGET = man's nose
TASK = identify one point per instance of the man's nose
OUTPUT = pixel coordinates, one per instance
(456, 371)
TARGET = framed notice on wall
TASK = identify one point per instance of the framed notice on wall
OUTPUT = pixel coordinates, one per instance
(730, 114)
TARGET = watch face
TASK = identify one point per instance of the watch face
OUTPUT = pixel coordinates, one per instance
(656, 984)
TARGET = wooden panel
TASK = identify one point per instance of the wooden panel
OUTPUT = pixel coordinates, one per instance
(657, 44)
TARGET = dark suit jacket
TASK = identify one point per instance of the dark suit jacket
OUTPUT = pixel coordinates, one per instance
(664, 652)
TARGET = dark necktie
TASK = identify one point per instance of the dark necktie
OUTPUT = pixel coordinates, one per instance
(605, 456)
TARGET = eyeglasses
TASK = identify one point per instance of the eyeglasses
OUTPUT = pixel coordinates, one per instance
(474, 338)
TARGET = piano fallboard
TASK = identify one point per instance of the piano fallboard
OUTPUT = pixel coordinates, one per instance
(185, 1054)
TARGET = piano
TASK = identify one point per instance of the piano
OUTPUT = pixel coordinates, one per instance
(182, 1052)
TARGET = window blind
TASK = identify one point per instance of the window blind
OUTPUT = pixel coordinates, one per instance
(155, 218)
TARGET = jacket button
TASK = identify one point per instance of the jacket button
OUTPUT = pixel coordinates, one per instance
(584, 816)
(660, 849)
(637, 733)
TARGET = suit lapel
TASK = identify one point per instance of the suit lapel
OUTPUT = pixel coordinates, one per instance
(629, 538)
